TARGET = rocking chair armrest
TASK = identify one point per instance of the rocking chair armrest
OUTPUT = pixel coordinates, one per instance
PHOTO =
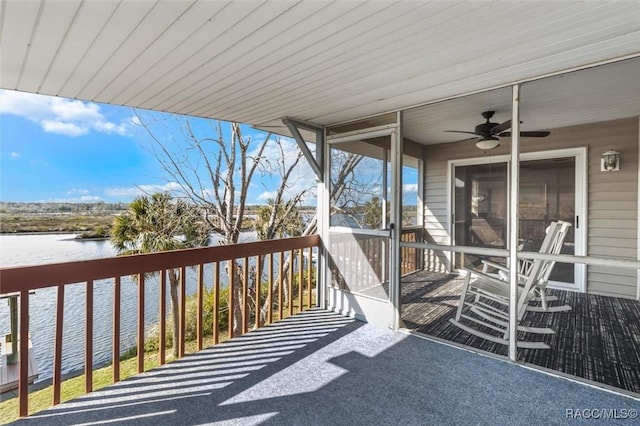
(504, 275)
(488, 263)
(492, 279)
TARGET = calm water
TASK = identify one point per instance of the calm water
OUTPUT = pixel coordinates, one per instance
(52, 248)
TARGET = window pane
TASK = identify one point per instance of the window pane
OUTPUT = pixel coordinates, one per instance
(480, 208)
(357, 186)
(547, 193)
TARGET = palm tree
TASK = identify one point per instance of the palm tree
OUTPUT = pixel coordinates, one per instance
(159, 223)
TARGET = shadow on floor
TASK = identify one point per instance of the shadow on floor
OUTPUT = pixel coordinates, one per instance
(319, 368)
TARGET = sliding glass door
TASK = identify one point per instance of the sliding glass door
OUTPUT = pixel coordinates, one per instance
(551, 189)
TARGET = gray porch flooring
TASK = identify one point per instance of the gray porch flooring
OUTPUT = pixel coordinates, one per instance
(598, 340)
(320, 368)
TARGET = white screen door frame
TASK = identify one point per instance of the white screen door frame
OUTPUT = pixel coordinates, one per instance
(362, 271)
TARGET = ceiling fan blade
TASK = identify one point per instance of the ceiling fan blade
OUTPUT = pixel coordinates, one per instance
(501, 127)
(461, 131)
(533, 134)
(467, 140)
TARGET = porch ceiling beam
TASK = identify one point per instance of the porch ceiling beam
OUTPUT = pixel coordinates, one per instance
(316, 162)
(368, 133)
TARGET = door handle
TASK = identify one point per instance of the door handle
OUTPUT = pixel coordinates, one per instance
(391, 228)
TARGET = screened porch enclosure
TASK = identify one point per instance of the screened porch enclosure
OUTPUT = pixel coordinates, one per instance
(463, 193)
(466, 200)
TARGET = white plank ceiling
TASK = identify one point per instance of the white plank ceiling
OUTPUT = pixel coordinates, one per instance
(322, 61)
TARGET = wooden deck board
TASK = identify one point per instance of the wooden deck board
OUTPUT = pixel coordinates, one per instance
(9, 373)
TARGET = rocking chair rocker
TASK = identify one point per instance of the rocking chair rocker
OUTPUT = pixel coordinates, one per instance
(484, 302)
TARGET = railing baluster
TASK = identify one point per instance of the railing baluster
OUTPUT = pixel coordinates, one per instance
(257, 289)
(291, 263)
(200, 302)
(57, 350)
(230, 288)
(216, 301)
(162, 317)
(23, 382)
(115, 355)
(88, 339)
(309, 270)
(300, 280)
(280, 289)
(183, 308)
(140, 327)
(245, 291)
(270, 290)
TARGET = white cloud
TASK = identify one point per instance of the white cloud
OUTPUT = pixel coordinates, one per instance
(139, 190)
(273, 154)
(15, 154)
(410, 187)
(135, 120)
(60, 115)
(78, 191)
(266, 195)
(68, 129)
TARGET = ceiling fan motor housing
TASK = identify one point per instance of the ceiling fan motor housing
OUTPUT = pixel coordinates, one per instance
(484, 129)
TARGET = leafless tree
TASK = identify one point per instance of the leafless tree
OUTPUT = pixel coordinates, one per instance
(214, 169)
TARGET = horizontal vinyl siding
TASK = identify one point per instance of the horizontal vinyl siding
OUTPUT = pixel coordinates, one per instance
(613, 206)
(435, 203)
(612, 196)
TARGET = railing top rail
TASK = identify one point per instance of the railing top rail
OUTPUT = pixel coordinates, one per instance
(15, 279)
(562, 258)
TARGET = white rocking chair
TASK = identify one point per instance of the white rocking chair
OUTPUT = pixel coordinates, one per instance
(484, 300)
(524, 266)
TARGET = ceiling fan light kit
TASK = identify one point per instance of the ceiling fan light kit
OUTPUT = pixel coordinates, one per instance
(487, 133)
(488, 143)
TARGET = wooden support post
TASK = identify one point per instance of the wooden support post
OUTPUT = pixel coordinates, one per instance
(280, 274)
(216, 302)
(23, 381)
(183, 309)
(57, 349)
(88, 339)
(300, 279)
(290, 298)
(200, 304)
(257, 290)
(309, 271)
(115, 353)
(245, 292)
(232, 275)
(270, 290)
(140, 328)
(162, 317)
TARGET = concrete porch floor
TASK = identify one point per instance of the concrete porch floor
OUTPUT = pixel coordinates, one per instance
(320, 368)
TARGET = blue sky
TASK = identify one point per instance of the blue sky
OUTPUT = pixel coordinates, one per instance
(55, 149)
(63, 150)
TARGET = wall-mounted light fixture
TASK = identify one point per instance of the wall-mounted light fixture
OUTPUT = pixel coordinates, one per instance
(610, 161)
